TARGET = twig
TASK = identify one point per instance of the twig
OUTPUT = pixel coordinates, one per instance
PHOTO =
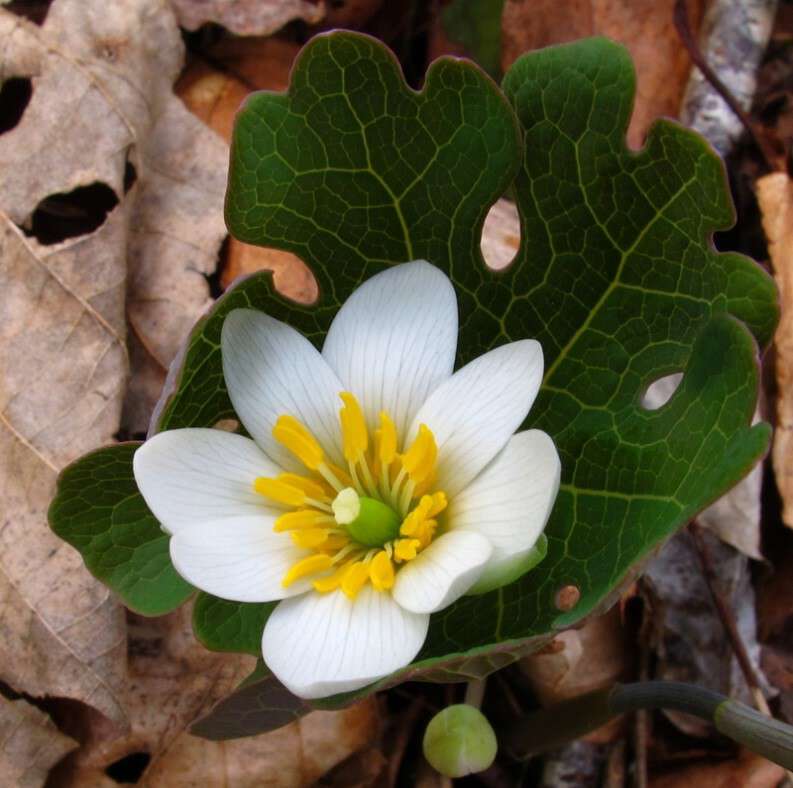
(402, 738)
(642, 722)
(683, 28)
(727, 618)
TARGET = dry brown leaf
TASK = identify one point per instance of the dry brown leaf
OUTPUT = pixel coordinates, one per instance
(295, 755)
(579, 661)
(693, 645)
(644, 26)
(97, 69)
(173, 680)
(748, 771)
(775, 196)
(215, 97)
(30, 744)
(176, 232)
(62, 370)
(247, 17)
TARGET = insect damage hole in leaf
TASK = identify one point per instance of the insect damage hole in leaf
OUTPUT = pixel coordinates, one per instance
(660, 391)
(500, 235)
(129, 769)
(15, 95)
(68, 215)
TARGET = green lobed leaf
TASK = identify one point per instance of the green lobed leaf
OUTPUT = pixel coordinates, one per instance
(618, 279)
(97, 509)
(616, 276)
(230, 626)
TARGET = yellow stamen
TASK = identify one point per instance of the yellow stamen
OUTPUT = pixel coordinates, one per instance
(310, 487)
(329, 583)
(439, 503)
(302, 518)
(289, 432)
(381, 571)
(280, 491)
(353, 428)
(419, 459)
(310, 538)
(405, 549)
(387, 443)
(354, 579)
(307, 566)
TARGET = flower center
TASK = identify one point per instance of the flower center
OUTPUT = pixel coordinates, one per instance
(361, 523)
(367, 520)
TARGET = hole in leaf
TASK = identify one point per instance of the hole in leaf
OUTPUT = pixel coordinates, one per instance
(215, 279)
(130, 176)
(34, 10)
(15, 95)
(78, 212)
(500, 235)
(660, 391)
(130, 768)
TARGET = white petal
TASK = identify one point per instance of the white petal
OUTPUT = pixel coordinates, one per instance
(443, 572)
(194, 475)
(510, 501)
(273, 370)
(240, 559)
(474, 412)
(394, 340)
(321, 644)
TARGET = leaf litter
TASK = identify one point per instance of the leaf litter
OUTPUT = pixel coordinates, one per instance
(96, 319)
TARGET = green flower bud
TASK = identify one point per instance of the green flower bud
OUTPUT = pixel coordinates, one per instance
(459, 741)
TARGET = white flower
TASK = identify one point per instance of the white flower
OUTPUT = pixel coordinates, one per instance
(364, 520)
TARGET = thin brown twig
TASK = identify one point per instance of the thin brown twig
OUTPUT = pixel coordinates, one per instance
(727, 617)
(402, 738)
(683, 27)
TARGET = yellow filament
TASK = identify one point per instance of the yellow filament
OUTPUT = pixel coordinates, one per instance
(302, 518)
(308, 486)
(353, 428)
(381, 571)
(419, 460)
(307, 566)
(289, 432)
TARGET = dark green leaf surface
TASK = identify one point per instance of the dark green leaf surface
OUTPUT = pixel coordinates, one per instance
(98, 510)
(230, 626)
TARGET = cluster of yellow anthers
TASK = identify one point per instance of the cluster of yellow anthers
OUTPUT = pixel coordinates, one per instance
(359, 523)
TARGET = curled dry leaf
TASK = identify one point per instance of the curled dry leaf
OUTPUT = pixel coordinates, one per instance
(775, 195)
(30, 744)
(644, 26)
(579, 661)
(247, 17)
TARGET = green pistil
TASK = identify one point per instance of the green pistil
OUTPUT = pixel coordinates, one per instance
(368, 521)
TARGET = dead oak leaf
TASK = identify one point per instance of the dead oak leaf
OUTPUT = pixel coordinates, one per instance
(30, 744)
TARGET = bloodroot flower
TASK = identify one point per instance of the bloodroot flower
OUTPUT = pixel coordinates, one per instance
(379, 485)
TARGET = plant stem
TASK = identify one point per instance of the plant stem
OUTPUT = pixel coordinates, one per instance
(475, 692)
(550, 728)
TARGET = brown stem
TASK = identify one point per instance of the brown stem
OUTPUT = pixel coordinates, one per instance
(725, 611)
